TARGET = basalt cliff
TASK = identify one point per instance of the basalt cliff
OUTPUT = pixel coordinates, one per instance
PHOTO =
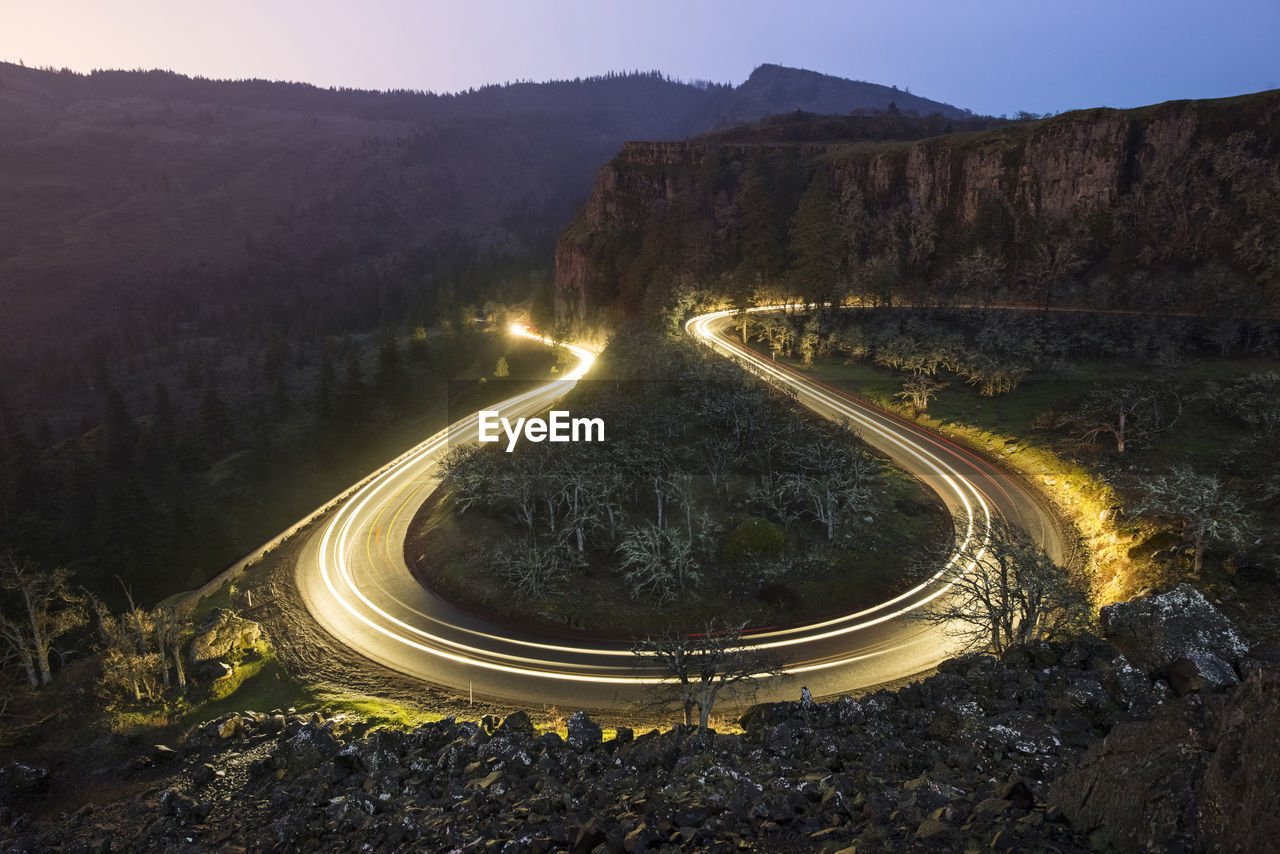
(1168, 207)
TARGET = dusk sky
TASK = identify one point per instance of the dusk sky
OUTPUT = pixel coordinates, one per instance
(990, 56)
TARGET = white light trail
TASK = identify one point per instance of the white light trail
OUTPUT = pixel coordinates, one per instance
(358, 516)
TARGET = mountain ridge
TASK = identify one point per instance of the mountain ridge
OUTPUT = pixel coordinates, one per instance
(128, 189)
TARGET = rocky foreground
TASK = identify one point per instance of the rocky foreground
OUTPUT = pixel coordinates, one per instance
(1163, 735)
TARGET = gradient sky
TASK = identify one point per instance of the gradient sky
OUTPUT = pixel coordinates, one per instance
(992, 57)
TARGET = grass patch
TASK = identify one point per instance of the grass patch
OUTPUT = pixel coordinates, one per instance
(260, 683)
(1084, 482)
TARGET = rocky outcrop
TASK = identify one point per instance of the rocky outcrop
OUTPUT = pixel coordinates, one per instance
(222, 635)
(1110, 193)
(1054, 747)
(1178, 632)
(1204, 775)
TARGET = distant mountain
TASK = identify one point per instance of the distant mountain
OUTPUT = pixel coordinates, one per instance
(145, 206)
(773, 89)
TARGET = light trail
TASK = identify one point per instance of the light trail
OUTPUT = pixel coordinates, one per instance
(368, 599)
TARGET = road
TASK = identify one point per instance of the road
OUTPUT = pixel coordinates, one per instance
(354, 580)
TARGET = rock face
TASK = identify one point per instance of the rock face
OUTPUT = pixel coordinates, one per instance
(222, 634)
(666, 214)
(1204, 775)
(1157, 631)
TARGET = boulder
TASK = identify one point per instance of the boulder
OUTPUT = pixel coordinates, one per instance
(214, 671)
(1202, 775)
(221, 635)
(517, 723)
(583, 732)
(1155, 631)
(20, 782)
(1200, 671)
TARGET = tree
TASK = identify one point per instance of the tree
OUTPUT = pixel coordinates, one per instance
(816, 245)
(702, 665)
(1005, 589)
(658, 562)
(918, 390)
(759, 228)
(39, 607)
(832, 482)
(1127, 412)
(532, 568)
(1210, 514)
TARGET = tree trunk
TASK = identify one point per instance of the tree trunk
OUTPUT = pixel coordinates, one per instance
(704, 708)
(28, 664)
(137, 622)
(164, 665)
(177, 663)
(1199, 561)
(39, 644)
(1120, 435)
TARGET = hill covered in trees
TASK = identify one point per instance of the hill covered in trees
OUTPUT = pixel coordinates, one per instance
(1170, 207)
(144, 205)
(207, 286)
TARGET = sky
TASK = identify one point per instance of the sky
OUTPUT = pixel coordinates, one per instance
(990, 56)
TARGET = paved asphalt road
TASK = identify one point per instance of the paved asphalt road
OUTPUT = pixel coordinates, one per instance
(353, 576)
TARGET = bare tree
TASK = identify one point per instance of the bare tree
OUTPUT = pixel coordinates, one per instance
(832, 482)
(718, 452)
(534, 569)
(1126, 412)
(658, 562)
(169, 633)
(40, 607)
(700, 666)
(119, 658)
(1209, 512)
(1006, 590)
(918, 391)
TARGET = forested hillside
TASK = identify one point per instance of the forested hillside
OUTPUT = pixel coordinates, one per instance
(223, 301)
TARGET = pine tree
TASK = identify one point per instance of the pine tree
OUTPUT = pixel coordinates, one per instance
(816, 243)
(759, 228)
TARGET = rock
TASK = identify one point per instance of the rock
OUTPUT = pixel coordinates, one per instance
(161, 754)
(1259, 657)
(1155, 631)
(203, 773)
(583, 732)
(309, 747)
(20, 782)
(517, 723)
(1203, 775)
(214, 671)
(221, 635)
(230, 727)
(1199, 671)
(589, 835)
(1018, 793)
(932, 827)
(641, 838)
(184, 809)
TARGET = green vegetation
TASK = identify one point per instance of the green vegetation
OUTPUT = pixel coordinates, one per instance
(712, 497)
(168, 499)
(1188, 407)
